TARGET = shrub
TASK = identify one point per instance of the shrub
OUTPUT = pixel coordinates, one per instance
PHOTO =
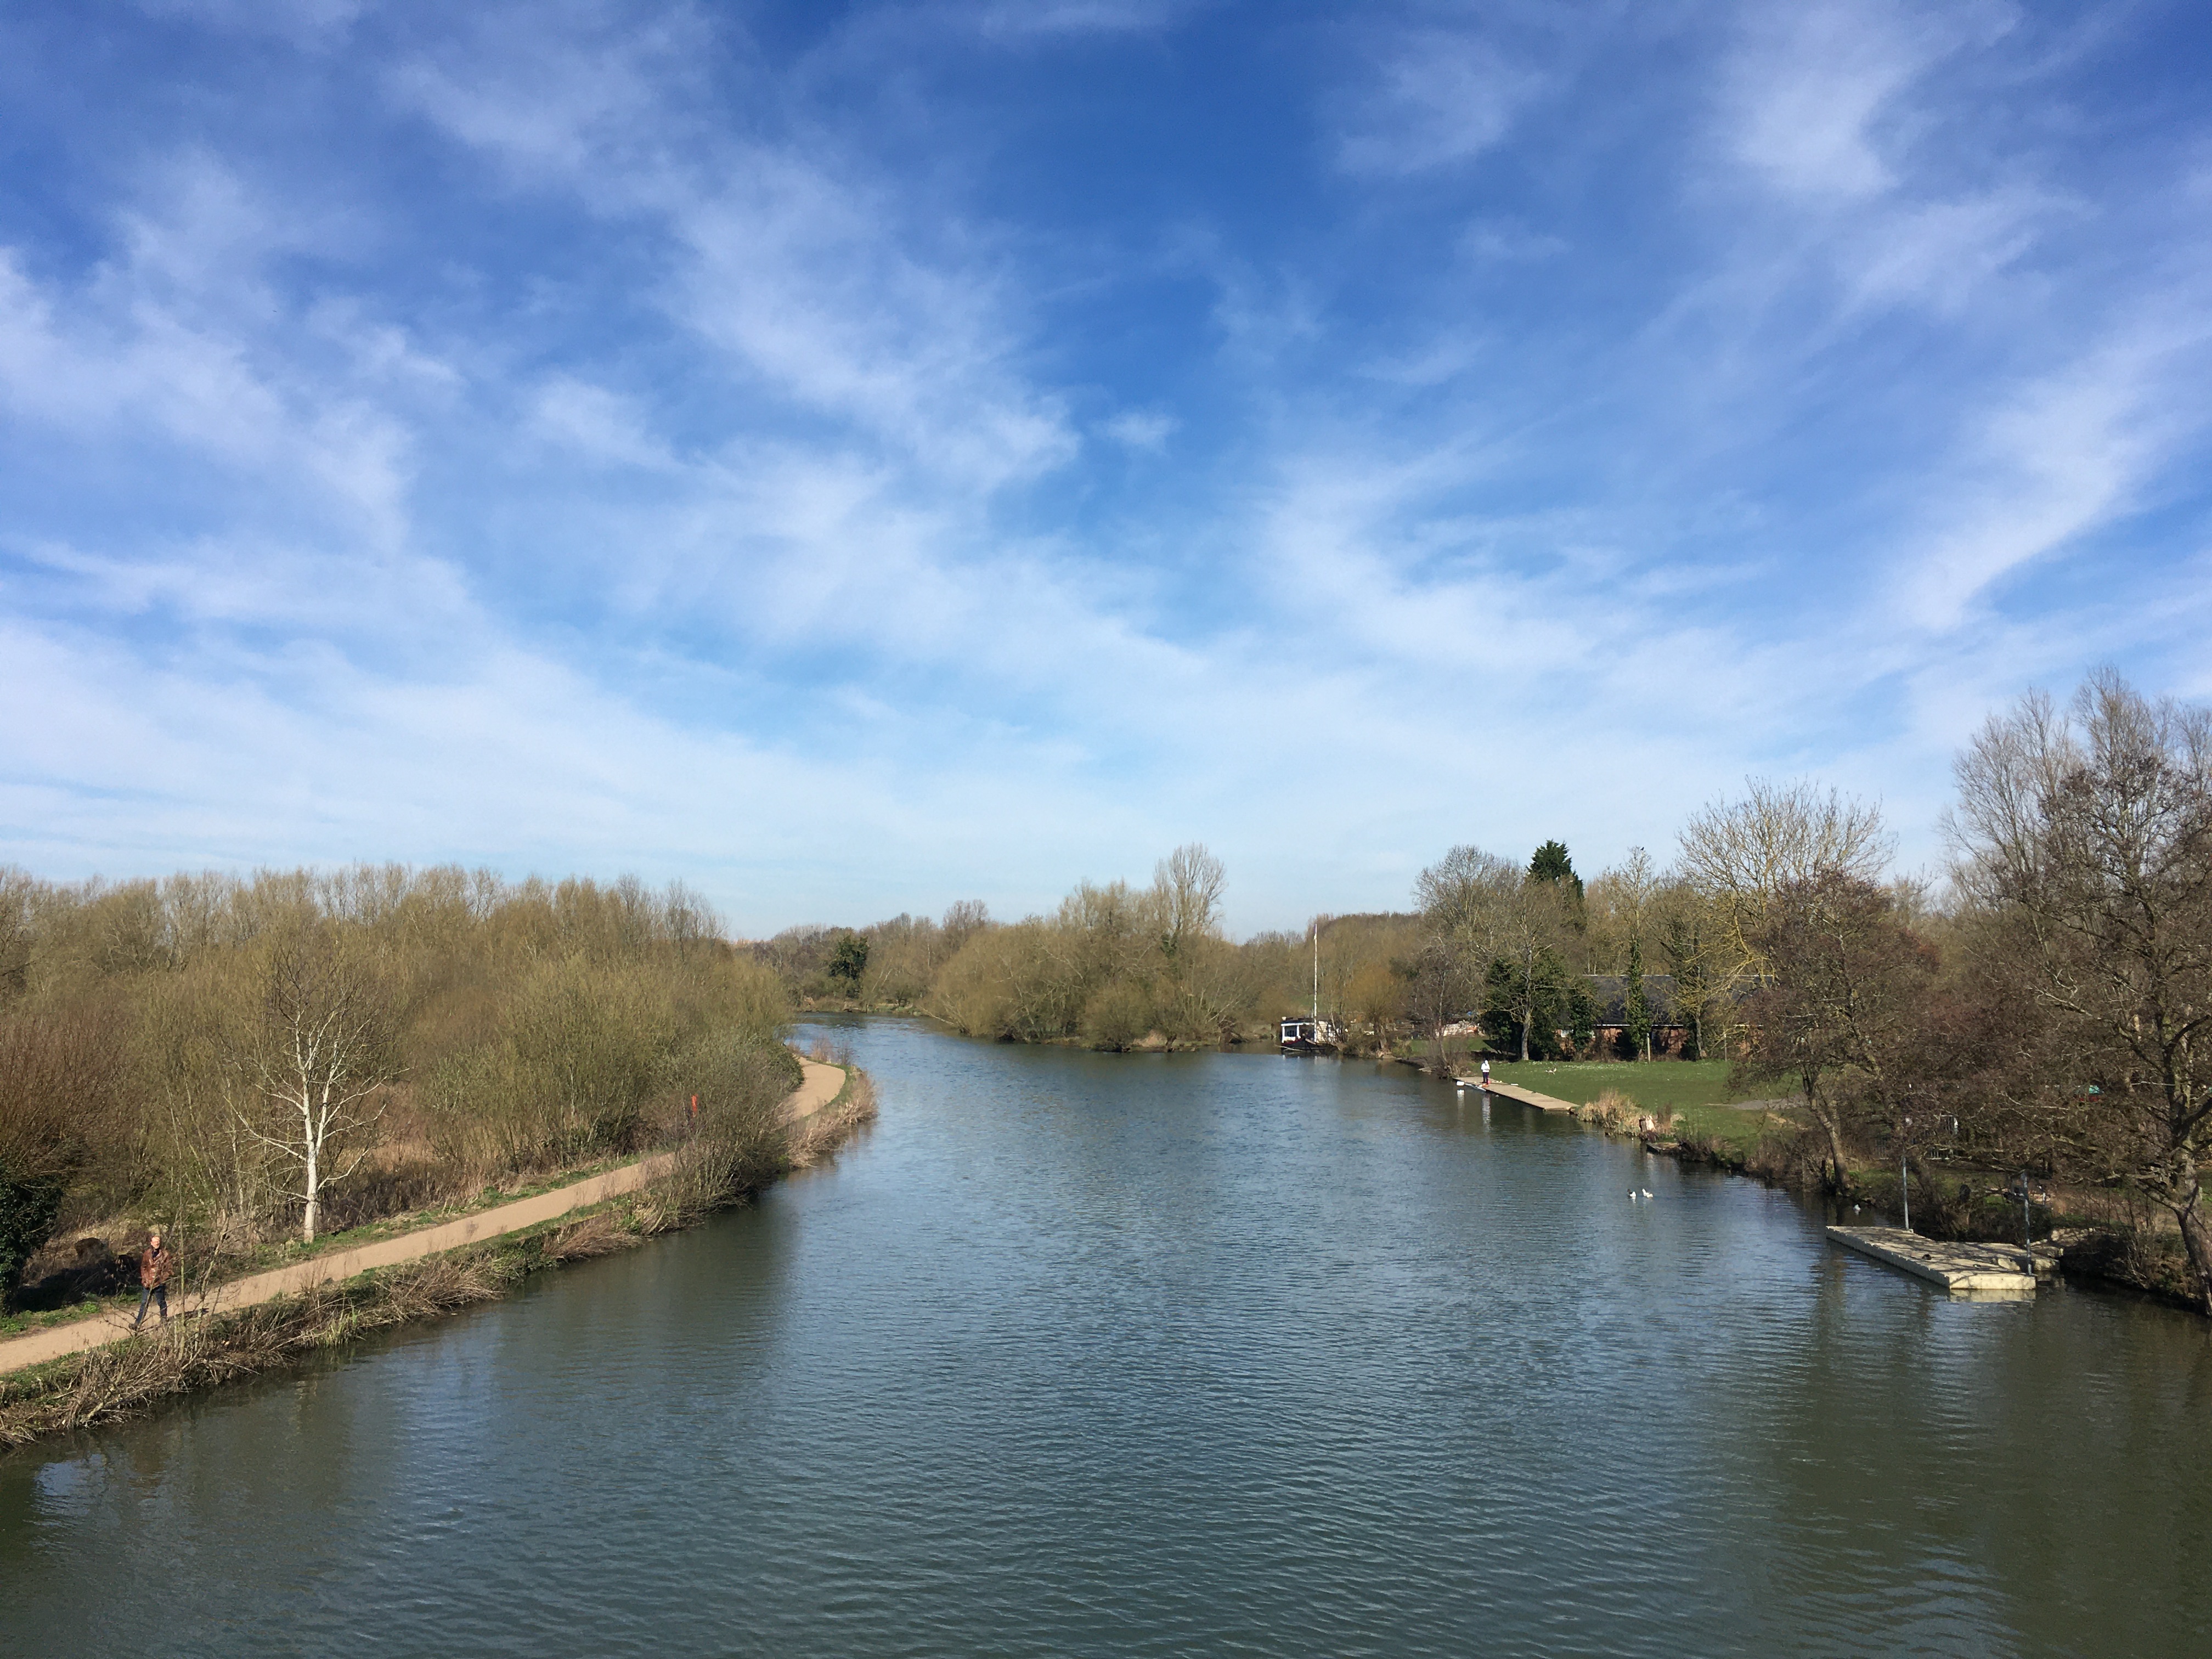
(1118, 1015)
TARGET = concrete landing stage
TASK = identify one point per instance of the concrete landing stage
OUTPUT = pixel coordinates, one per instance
(1954, 1266)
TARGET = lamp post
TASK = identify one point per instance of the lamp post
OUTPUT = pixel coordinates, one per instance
(1904, 1172)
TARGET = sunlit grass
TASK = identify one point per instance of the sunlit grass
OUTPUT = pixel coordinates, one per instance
(1675, 1084)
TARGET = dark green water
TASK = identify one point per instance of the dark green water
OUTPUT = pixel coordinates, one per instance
(1080, 1354)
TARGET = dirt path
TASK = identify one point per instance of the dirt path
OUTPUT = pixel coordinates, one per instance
(820, 1087)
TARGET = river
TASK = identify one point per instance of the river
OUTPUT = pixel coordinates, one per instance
(1078, 1354)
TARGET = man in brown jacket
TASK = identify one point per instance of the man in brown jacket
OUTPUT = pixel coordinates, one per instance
(154, 1267)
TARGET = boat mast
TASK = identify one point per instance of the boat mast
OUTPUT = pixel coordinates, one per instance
(1317, 1014)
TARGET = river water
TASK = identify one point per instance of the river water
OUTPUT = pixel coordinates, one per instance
(1197, 1354)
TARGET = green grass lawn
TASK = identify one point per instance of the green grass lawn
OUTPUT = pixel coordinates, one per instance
(1696, 1091)
(1672, 1083)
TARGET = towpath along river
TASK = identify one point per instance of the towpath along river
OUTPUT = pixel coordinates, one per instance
(819, 1085)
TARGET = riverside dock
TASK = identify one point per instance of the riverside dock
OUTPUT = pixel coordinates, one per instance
(1528, 1096)
(1955, 1267)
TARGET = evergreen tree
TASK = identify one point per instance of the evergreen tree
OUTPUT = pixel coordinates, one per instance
(849, 960)
(1685, 942)
(1553, 998)
(1638, 1005)
(1553, 863)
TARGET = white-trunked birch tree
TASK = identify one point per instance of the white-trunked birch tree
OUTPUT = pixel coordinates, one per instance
(320, 1055)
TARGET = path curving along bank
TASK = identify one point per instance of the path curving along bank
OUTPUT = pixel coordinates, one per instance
(820, 1085)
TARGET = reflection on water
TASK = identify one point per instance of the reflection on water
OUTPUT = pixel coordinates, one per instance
(1087, 1354)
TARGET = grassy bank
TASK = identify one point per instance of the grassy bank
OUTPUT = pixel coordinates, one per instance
(1705, 1111)
(1672, 1084)
(123, 1379)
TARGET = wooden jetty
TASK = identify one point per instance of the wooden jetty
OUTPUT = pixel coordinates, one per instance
(1527, 1097)
(1955, 1267)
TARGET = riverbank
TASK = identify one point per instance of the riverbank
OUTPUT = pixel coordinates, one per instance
(97, 1371)
(1677, 1109)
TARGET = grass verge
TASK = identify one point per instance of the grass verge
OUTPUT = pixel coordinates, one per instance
(1667, 1084)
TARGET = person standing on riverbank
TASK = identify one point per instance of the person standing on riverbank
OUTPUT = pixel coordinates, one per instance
(1486, 1076)
(155, 1264)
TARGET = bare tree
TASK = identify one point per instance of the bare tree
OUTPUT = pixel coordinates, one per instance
(1742, 854)
(1637, 882)
(2084, 839)
(322, 1054)
(1690, 934)
(1438, 989)
(1617, 911)
(16, 889)
(1532, 927)
(962, 919)
(1465, 898)
(1189, 883)
(1843, 1012)
(1463, 893)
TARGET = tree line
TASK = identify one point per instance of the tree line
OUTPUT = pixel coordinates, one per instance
(2040, 1006)
(242, 1059)
(2045, 1011)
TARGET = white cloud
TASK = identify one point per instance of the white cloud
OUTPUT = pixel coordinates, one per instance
(599, 425)
(1441, 98)
(810, 278)
(1942, 254)
(2059, 458)
(1814, 89)
(1146, 429)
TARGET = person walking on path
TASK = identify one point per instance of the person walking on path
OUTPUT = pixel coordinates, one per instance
(155, 1264)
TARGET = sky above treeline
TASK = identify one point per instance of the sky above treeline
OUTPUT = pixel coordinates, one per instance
(853, 457)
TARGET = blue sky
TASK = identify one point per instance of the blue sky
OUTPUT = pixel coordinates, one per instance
(853, 457)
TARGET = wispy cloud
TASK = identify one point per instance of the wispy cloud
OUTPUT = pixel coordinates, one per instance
(1814, 89)
(1439, 97)
(2063, 457)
